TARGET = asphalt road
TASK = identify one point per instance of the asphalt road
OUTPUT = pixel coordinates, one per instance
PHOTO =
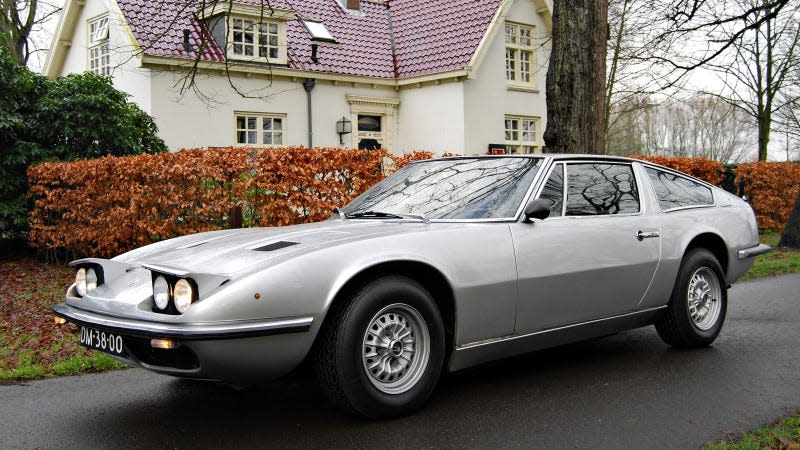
(624, 391)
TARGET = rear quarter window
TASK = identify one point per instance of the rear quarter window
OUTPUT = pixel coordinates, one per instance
(675, 191)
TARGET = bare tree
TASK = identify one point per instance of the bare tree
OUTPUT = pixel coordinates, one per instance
(634, 76)
(700, 126)
(658, 43)
(719, 130)
(19, 20)
(576, 78)
(788, 124)
(627, 125)
(697, 32)
(16, 23)
(759, 70)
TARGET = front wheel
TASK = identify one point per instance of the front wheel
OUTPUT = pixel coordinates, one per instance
(382, 353)
(698, 304)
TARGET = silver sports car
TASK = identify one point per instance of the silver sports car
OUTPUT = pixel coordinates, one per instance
(445, 264)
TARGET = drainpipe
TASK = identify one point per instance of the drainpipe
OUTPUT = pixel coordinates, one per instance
(308, 85)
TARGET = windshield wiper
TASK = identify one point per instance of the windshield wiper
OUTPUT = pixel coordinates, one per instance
(386, 215)
(340, 213)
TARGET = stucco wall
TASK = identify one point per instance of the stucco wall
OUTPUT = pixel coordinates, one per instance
(432, 118)
(193, 121)
(486, 97)
(126, 74)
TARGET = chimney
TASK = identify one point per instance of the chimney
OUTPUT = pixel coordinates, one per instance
(354, 4)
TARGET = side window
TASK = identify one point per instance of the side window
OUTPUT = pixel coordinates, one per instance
(601, 189)
(554, 190)
(674, 191)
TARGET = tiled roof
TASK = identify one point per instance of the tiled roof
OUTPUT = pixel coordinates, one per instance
(430, 36)
(438, 35)
(363, 44)
(158, 28)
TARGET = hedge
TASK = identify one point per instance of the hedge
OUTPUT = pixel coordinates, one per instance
(704, 169)
(772, 188)
(109, 205)
(103, 207)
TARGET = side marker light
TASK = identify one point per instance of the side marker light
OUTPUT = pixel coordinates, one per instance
(166, 344)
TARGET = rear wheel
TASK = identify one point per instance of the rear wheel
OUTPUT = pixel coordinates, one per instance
(382, 353)
(698, 304)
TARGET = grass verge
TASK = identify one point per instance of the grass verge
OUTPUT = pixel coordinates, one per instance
(784, 435)
(31, 345)
(780, 260)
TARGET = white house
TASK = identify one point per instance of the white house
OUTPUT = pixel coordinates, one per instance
(441, 75)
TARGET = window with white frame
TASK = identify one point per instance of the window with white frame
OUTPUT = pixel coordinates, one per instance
(99, 55)
(260, 129)
(520, 134)
(252, 39)
(520, 56)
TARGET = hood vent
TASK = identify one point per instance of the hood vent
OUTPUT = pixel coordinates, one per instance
(275, 246)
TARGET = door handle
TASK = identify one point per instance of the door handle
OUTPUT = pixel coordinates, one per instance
(642, 235)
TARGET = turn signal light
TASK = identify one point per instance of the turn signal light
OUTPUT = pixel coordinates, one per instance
(162, 343)
(59, 320)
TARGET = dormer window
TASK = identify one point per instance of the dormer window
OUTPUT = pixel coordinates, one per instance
(251, 39)
(248, 32)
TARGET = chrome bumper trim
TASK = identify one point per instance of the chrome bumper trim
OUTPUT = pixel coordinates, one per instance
(204, 331)
(756, 250)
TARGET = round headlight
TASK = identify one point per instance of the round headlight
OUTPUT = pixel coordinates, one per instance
(80, 281)
(183, 295)
(91, 279)
(161, 292)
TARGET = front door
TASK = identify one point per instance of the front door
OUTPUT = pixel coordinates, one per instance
(594, 257)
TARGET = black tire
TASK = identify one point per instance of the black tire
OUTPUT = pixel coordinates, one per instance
(678, 328)
(344, 350)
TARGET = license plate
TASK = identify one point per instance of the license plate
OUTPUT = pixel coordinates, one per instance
(102, 340)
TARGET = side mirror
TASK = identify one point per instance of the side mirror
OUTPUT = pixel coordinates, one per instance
(538, 209)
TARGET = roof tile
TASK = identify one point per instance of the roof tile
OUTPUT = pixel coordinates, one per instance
(430, 36)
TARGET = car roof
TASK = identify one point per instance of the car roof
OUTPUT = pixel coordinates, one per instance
(574, 157)
(554, 156)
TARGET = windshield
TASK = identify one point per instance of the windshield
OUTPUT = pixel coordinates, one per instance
(463, 188)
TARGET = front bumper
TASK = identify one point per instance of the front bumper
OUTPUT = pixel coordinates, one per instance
(241, 351)
(194, 331)
(754, 251)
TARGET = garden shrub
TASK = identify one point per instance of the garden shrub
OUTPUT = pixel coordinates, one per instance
(71, 117)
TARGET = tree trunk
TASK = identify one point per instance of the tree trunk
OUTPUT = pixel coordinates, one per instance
(791, 232)
(576, 77)
(16, 24)
(764, 125)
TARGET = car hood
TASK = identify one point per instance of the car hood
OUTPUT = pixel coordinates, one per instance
(229, 252)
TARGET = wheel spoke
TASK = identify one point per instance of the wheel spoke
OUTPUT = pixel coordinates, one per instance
(703, 293)
(392, 341)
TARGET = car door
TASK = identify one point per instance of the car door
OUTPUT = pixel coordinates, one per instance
(594, 257)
